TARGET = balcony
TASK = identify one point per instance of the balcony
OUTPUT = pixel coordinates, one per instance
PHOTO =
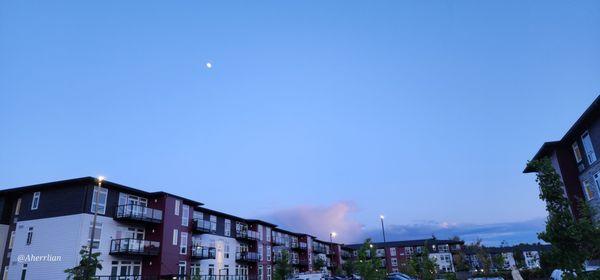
(202, 226)
(320, 249)
(278, 241)
(246, 257)
(301, 263)
(300, 246)
(134, 247)
(138, 213)
(346, 255)
(203, 253)
(247, 235)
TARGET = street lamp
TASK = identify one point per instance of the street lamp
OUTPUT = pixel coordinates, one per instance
(382, 227)
(99, 180)
(332, 235)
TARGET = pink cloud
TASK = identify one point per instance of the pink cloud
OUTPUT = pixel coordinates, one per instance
(320, 221)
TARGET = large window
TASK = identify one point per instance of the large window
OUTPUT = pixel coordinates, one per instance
(576, 152)
(260, 252)
(588, 147)
(185, 215)
(260, 272)
(29, 236)
(101, 200)
(175, 236)
(268, 253)
(227, 227)
(587, 189)
(18, 207)
(182, 268)
(36, 201)
(177, 206)
(97, 234)
(393, 252)
(183, 243)
(213, 223)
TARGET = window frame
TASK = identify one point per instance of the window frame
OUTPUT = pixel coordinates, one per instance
(35, 202)
(177, 206)
(175, 236)
(591, 152)
(100, 202)
(185, 215)
(183, 243)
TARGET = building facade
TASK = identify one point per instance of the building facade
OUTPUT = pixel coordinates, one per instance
(396, 255)
(574, 157)
(138, 233)
(522, 256)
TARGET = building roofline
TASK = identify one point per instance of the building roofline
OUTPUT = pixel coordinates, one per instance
(542, 152)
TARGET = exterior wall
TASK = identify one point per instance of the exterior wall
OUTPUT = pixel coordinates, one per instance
(444, 261)
(221, 260)
(4, 234)
(48, 238)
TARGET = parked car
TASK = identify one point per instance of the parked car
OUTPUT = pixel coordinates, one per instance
(398, 276)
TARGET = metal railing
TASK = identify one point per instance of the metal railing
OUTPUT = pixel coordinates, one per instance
(204, 226)
(132, 246)
(138, 213)
(125, 277)
(246, 256)
(247, 234)
(203, 252)
(277, 240)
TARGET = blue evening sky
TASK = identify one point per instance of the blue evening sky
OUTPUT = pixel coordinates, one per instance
(422, 110)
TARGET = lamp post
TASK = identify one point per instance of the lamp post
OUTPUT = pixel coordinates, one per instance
(382, 227)
(96, 200)
(331, 236)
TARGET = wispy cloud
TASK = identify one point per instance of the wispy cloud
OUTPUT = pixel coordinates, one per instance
(491, 234)
(321, 220)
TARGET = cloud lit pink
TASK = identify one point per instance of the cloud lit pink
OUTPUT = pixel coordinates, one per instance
(321, 220)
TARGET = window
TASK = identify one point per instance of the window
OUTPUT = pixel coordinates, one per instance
(36, 201)
(18, 207)
(97, 234)
(260, 252)
(5, 275)
(177, 206)
(226, 253)
(393, 252)
(260, 232)
(24, 272)
(409, 250)
(29, 236)
(185, 216)
(227, 227)
(260, 272)
(587, 189)
(268, 253)
(213, 223)
(576, 152)
(394, 262)
(268, 272)
(11, 240)
(181, 268)
(183, 243)
(268, 234)
(175, 235)
(101, 200)
(445, 248)
(211, 269)
(588, 147)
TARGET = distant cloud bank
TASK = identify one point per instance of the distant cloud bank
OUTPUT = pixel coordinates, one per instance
(321, 220)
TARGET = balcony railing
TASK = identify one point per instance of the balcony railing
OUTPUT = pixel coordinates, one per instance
(132, 246)
(140, 213)
(277, 240)
(301, 262)
(204, 226)
(346, 255)
(321, 249)
(202, 253)
(246, 256)
(247, 234)
(302, 246)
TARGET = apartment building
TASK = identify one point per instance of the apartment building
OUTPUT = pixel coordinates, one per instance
(575, 159)
(138, 233)
(522, 256)
(395, 255)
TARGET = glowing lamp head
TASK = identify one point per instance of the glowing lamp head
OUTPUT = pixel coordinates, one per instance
(101, 178)
(381, 217)
(334, 234)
